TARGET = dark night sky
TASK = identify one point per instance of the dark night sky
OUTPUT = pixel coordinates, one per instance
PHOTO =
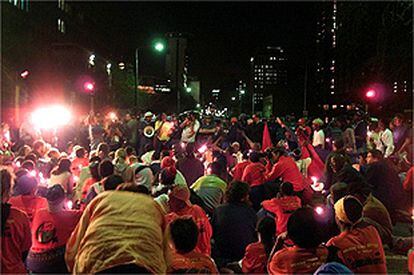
(223, 34)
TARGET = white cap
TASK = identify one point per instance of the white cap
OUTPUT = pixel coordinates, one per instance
(148, 114)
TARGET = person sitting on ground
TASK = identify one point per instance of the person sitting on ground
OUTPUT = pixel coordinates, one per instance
(307, 254)
(166, 181)
(15, 231)
(238, 170)
(106, 169)
(184, 237)
(211, 188)
(234, 225)
(169, 162)
(27, 201)
(359, 244)
(62, 175)
(254, 175)
(257, 254)
(191, 167)
(180, 205)
(283, 206)
(338, 169)
(81, 160)
(119, 232)
(95, 177)
(120, 163)
(51, 228)
(284, 167)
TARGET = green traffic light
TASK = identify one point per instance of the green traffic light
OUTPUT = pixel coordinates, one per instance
(159, 47)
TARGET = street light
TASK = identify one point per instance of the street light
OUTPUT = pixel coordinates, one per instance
(188, 89)
(242, 92)
(159, 47)
(233, 98)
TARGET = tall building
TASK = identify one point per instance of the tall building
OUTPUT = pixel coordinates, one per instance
(268, 80)
(326, 47)
(177, 64)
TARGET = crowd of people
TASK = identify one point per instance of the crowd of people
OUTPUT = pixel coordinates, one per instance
(189, 194)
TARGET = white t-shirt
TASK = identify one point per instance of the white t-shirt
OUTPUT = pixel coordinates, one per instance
(187, 134)
(318, 138)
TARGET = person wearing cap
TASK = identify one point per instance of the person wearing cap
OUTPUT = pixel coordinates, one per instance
(27, 201)
(143, 140)
(15, 231)
(237, 154)
(51, 228)
(307, 254)
(318, 134)
(360, 246)
(119, 232)
(179, 177)
(184, 238)
(180, 205)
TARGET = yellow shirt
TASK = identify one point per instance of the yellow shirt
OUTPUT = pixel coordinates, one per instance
(164, 129)
(117, 228)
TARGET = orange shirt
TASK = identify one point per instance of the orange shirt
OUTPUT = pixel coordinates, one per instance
(288, 171)
(282, 208)
(361, 250)
(294, 260)
(15, 242)
(239, 169)
(192, 263)
(203, 224)
(254, 174)
(255, 259)
(28, 204)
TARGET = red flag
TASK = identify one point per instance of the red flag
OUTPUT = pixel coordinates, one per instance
(267, 141)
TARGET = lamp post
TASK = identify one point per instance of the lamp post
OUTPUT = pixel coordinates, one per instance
(158, 46)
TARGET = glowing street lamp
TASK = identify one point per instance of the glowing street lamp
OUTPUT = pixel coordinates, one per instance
(89, 86)
(159, 46)
(188, 89)
(370, 94)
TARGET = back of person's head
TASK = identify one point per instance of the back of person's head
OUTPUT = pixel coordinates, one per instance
(63, 166)
(286, 188)
(80, 152)
(375, 153)
(103, 148)
(132, 187)
(216, 168)
(184, 234)
(167, 162)
(93, 168)
(348, 210)
(167, 175)
(338, 191)
(55, 194)
(237, 192)
(255, 156)
(164, 153)
(359, 188)
(31, 157)
(6, 182)
(297, 154)
(28, 165)
(121, 154)
(339, 144)
(112, 182)
(339, 160)
(332, 268)
(266, 228)
(246, 154)
(303, 228)
(190, 149)
(38, 144)
(130, 150)
(25, 185)
(106, 168)
(53, 153)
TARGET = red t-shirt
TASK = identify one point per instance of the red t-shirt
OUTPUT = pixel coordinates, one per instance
(88, 183)
(203, 224)
(288, 171)
(28, 204)
(254, 174)
(51, 230)
(239, 169)
(409, 179)
(282, 208)
(77, 165)
(15, 242)
(295, 260)
(192, 263)
(255, 259)
(411, 261)
(361, 250)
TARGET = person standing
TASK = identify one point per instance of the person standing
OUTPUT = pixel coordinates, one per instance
(131, 127)
(190, 128)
